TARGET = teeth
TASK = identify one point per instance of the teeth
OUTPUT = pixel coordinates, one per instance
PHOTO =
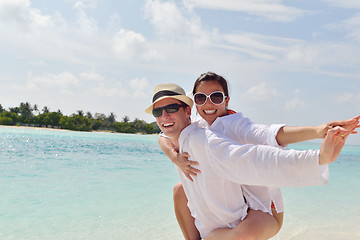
(168, 124)
(209, 111)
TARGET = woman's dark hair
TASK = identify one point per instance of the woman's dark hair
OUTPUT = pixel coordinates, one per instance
(210, 76)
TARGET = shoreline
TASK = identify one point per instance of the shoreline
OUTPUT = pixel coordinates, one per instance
(35, 128)
(68, 130)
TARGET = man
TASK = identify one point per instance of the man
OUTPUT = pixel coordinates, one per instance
(215, 196)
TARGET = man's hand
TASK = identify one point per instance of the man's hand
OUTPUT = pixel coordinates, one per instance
(333, 144)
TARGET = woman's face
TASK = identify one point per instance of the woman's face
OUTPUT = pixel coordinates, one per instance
(210, 111)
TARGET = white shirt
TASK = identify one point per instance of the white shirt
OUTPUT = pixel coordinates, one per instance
(241, 129)
(215, 197)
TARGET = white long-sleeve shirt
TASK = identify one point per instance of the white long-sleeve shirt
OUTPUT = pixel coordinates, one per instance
(215, 197)
(243, 130)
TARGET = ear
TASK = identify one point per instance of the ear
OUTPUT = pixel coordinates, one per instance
(227, 101)
(188, 111)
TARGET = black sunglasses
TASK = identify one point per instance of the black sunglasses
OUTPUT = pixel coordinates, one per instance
(171, 108)
(215, 97)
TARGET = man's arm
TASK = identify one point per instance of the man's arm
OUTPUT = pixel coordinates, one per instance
(269, 166)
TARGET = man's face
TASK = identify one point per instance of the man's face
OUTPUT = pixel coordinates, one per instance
(171, 124)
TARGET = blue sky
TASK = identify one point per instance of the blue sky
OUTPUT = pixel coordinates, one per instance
(293, 62)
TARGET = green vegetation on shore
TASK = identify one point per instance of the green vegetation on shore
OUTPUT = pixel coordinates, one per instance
(27, 115)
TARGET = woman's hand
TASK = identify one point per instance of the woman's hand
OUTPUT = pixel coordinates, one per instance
(350, 124)
(183, 162)
(179, 159)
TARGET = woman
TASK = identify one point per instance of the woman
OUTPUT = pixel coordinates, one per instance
(264, 220)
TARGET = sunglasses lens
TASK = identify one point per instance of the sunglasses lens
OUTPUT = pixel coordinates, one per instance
(172, 108)
(217, 97)
(157, 112)
(200, 98)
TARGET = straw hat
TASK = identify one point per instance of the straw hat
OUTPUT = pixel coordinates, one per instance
(169, 90)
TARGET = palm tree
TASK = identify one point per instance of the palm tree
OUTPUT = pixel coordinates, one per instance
(36, 108)
(111, 118)
(45, 109)
(26, 110)
(15, 110)
(100, 116)
(88, 115)
(80, 113)
(126, 119)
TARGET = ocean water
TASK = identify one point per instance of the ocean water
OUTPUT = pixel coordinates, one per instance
(80, 185)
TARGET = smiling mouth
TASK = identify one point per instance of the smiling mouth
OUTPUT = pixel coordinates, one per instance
(168, 124)
(208, 112)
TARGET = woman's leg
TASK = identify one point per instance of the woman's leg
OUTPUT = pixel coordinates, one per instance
(279, 218)
(183, 215)
(256, 226)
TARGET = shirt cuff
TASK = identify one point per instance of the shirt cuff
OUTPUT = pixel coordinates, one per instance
(273, 131)
(323, 171)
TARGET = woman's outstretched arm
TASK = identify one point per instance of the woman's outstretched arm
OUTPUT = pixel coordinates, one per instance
(288, 135)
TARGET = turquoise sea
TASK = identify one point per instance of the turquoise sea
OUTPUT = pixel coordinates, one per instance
(80, 185)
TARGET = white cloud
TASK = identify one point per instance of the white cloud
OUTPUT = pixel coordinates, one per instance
(294, 104)
(63, 80)
(20, 14)
(165, 16)
(86, 24)
(325, 58)
(257, 41)
(172, 23)
(303, 53)
(110, 91)
(352, 26)
(133, 46)
(297, 91)
(140, 87)
(29, 34)
(91, 76)
(129, 45)
(345, 97)
(259, 46)
(260, 92)
(273, 10)
(118, 91)
(139, 83)
(29, 86)
(344, 3)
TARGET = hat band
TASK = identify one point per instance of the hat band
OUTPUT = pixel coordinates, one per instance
(164, 93)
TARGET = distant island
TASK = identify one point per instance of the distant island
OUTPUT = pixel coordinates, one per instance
(30, 115)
